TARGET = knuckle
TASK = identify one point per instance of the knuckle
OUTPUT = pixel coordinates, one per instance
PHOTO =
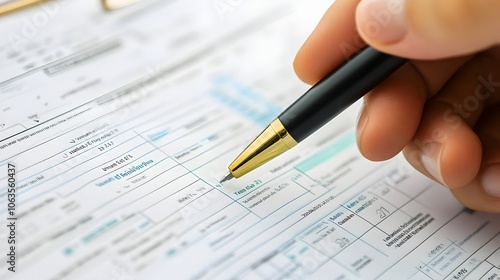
(456, 13)
(444, 17)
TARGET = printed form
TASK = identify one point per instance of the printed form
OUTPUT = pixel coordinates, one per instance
(119, 137)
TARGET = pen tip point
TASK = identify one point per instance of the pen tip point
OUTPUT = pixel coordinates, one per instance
(226, 177)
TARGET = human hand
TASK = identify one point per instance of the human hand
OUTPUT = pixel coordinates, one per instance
(442, 108)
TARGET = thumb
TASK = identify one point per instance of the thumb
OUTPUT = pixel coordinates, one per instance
(429, 29)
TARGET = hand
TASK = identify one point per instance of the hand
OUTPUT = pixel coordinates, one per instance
(442, 108)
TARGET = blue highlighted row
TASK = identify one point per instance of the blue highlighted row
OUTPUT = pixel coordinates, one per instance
(345, 142)
(244, 100)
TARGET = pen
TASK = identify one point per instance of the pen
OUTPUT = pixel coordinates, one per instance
(321, 103)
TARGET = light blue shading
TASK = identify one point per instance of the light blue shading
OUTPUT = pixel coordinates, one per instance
(99, 231)
(145, 224)
(158, 135)
(68, 251)
(244, 100)
(324, 155)
(171, 252)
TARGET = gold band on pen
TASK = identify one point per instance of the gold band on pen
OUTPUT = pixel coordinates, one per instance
(273, 141)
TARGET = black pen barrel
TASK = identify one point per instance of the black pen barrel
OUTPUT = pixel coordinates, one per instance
(337, 91)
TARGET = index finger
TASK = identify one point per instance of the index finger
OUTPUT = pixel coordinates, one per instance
(322, 52)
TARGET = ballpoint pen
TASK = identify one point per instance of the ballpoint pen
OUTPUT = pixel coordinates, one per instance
(321, 103)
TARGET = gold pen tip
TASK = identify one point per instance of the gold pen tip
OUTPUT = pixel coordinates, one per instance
(226, 177)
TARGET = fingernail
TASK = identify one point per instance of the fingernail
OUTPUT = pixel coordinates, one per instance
(382, 20)
(491, 180)
(431, 160)
(362, 121)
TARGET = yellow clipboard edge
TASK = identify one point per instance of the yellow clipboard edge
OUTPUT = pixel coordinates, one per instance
(15, 5)
(110, 5)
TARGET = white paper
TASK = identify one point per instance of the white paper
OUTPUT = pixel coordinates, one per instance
(119, 144)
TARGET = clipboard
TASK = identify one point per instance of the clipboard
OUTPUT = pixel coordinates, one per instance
(16, 5)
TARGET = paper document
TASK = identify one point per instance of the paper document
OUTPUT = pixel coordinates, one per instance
(116, 140)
